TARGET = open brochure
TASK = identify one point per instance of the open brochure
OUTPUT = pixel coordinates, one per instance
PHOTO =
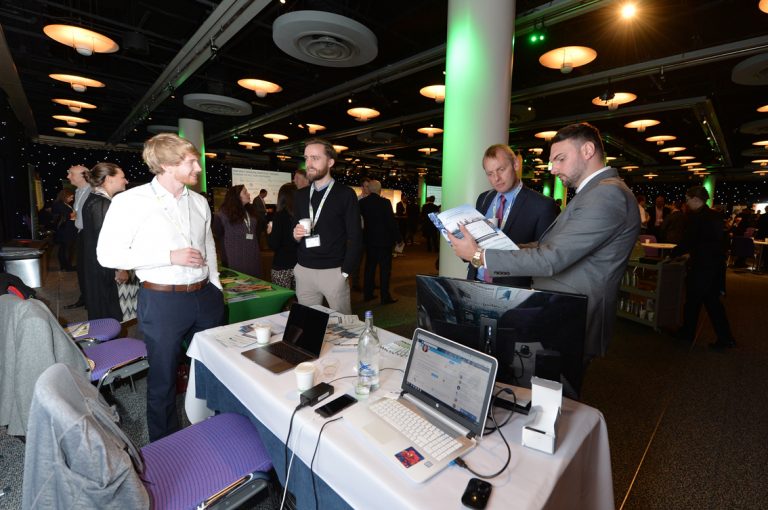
(486, 233)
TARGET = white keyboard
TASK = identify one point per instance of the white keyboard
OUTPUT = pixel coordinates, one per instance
(429, 438)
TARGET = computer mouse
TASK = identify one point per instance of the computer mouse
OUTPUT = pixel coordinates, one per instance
(476, 494)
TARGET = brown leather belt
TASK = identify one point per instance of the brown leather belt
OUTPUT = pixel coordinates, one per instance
(190, 287)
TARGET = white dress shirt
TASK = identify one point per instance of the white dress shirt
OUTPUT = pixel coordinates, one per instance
(144, 224)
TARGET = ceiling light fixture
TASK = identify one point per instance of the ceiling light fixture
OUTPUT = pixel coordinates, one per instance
(85, 42)
(70, 131)
(385, 157)
(690, 164)
(763, 109)
(763, 143)
(650, 176)
(436, 92)
(640, 125)
(671, 150)
(362, 114)
(628, 10)
(613, 100)
(74, 106)
(211, 155)
(276, 137)
(249, 145)
(543, 166)
(546, 135)
(761, 162)
(78, 83)
(536, 150)
(283, 157)
(629, 168)
(430, 131)
(427, 150)
(660, 139)
(70, 120)
(261, 87)
(568, 57)
(763, 6)
(314, 128)
(684, 158)
(340, 148)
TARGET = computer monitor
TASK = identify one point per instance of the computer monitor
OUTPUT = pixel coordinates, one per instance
(530, 332)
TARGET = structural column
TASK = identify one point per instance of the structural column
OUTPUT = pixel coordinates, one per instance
(192, 130)
(477, 87)
(709, 184)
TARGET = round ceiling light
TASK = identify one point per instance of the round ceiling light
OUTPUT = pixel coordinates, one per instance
(427, 150)
(618, 98)
(74, 106)
(78, 83)
(671, 150)
(568, 57)
(217, 105)
(430, 131)
(249, 145)
(362, 114)
(314, 128)
(640, 125)
(71, 120)
(385, 157)
(85, 42)
(629, 168)
(763, 109)
(276, 137)
(436, 92)
(684, 158)
(70, 131)
(546, 135)
(261, 87)
(324, 39)
(660, 139)
(340, 148)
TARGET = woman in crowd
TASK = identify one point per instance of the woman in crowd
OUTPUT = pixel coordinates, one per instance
(64, 224)
(235, 228)
(101, 294)
(280, 237)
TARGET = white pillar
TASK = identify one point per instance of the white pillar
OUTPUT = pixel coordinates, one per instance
(192, 130)
(478, 87)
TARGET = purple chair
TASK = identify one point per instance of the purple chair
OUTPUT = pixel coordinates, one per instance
(75, 442)
(99, 330)
(194, 465)
(116, 359)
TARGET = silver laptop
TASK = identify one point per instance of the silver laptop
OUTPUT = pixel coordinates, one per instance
(450, 387)
(302, 341)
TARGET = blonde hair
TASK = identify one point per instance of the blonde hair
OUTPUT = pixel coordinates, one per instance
(167, 149)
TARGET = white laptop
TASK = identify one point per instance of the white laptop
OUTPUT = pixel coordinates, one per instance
(447, 384)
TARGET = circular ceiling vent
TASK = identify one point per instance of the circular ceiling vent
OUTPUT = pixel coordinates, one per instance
(159, 128)
(752, 71)
(324, 39)
(217, 105)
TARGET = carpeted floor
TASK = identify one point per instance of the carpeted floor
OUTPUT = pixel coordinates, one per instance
(687, 426)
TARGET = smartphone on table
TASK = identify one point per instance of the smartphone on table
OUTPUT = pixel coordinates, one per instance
(335, 406)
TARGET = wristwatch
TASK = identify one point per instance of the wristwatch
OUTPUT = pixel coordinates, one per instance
(477, 259)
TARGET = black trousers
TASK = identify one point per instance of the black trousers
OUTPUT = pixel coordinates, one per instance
(79, 249)
(167, 320)
(703, 288)
(378, 256)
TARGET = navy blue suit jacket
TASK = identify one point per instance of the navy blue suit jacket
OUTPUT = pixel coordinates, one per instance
(529, 217)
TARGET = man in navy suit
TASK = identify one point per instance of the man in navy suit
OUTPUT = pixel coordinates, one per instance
(380, 234)
(521, 213)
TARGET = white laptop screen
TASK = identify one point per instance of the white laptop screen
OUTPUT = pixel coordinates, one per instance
(451, 378)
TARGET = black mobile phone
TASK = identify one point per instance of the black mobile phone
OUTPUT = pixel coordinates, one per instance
(335, 406)
(476, 494)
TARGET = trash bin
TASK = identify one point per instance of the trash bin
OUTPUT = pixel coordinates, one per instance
(25, 259)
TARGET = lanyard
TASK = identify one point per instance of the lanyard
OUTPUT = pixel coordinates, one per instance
(172, 218)
(247, 221)
(312, 218)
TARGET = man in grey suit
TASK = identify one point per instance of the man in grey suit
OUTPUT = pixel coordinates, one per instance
(585, 250)
(521, 213)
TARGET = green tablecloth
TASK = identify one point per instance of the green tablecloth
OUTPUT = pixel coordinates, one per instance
(244, 302)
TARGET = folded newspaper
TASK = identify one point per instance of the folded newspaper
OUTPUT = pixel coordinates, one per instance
(486, 233)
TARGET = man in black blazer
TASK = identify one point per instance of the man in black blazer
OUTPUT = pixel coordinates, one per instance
(656, 216)
(380, 234)
(521, 213)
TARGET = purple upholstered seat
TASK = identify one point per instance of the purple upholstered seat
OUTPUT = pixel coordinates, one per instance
(189, 466)
(98, 329)
(122, 357)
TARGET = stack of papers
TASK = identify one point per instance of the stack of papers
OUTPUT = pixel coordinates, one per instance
(486, 233)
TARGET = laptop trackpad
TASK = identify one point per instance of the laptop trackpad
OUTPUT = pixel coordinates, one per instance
(382, 432)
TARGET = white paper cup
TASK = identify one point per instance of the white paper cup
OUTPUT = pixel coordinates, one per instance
(305, 376)
(307, 224)
(263, 333)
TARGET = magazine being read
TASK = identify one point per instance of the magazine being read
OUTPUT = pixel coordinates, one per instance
(484, 230)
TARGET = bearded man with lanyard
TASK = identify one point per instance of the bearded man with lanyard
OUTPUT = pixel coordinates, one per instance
(330, 251)
(521, 213)
(163, 231)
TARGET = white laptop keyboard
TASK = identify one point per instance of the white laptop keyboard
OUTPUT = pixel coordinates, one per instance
(429, 438)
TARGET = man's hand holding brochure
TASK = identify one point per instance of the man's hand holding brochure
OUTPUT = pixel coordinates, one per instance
(487, 235)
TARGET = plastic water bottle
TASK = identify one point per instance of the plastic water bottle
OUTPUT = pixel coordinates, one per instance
(367, 358)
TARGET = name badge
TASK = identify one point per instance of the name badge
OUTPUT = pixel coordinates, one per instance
(249, 237)
(312, 241)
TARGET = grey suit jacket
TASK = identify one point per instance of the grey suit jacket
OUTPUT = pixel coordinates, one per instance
(584, 251)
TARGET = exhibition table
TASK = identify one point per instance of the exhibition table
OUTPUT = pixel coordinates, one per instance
(577, 475)
(246, 299)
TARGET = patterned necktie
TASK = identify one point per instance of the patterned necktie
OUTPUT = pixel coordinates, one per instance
(500, 210)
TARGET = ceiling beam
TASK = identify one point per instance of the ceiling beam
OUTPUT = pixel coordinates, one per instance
(11, 84)
(223, 24)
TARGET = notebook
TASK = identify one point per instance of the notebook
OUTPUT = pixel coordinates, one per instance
(302, 341)
(447, 384)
